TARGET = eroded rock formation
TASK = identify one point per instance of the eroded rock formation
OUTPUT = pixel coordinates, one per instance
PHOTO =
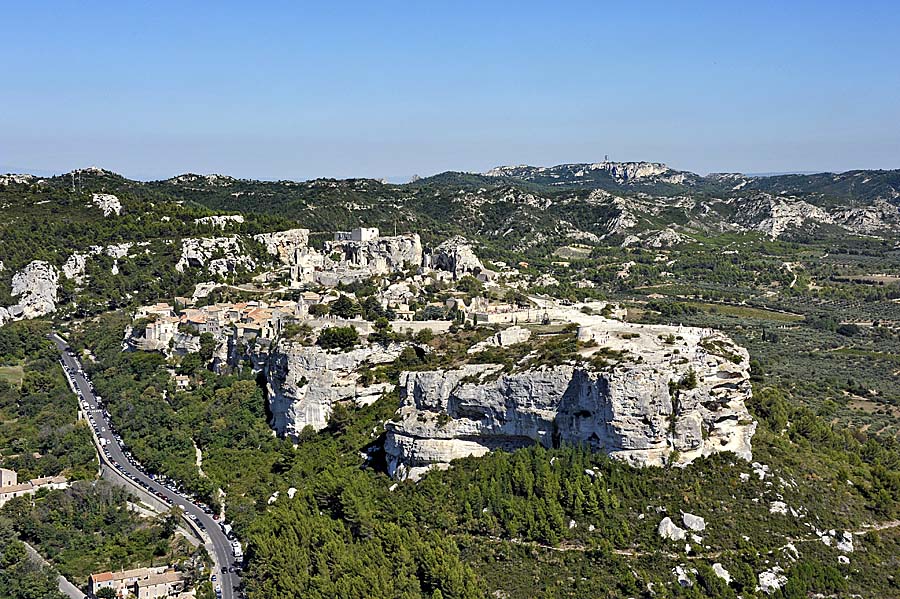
(36, 286)
(284, 244)
(456, 255)
(380, 255)
(108, 203)
(304, 382)
(219, 255)
(662, 408)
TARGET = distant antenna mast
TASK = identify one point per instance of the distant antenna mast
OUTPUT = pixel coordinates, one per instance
(606, 158)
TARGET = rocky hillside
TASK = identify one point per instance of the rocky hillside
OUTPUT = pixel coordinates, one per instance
(649, 406)
(103, 237)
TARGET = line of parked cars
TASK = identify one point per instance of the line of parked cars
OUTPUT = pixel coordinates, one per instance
(160, 479)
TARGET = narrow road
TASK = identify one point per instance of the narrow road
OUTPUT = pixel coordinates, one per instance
(65, 587)
(229, 582)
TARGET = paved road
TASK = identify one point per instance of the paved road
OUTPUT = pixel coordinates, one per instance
(221, 545)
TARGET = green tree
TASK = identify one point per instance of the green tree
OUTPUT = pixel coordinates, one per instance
(338, 338)
(345, 307)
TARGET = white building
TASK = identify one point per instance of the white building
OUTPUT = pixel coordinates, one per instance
(10, 488)
(357, 234)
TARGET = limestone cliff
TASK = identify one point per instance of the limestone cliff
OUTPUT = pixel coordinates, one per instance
(381, 255)
(646, 411)
(304, 382)
(36, 287)
(218, 255)
(284, 244)
(456, 255)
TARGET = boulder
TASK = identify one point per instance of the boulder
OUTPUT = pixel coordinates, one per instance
(845, 544)
(695, 523)
(670, 531)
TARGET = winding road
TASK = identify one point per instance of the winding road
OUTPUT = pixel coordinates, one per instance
(218, 542)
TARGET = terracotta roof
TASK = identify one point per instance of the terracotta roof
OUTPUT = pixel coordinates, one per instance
(102, 577)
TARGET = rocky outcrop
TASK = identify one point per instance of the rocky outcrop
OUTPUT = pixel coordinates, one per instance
(304, 382)
(284, 244)
(36, 286)
(622, 172)
(108, 203)
(771, 580)
(17, 179)
(665, 238)
(776, 215)
(670, 531)
(380, 255)
(218, 255)
(74, 267)
(456, 255)
(662, 408)
(220, 221)
(505, 338)
(882, 216)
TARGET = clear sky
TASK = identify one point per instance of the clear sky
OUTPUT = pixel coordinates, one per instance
(298, 90)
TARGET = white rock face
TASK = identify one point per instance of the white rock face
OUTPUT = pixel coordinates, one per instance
(284, 244)
(381, 255)
(620, 171)
(695, 523)
(457, 256)
(845, 545)
(665, 238)
(74, 266)
(720, 571)
(304, 382)
(771, 580)
(220, 221)
(880, 217)
(36, 286)
(778, 507)
(670, 531)
(626, 410)
(504, 338)
(776, 215)
(108, 203)
(13, 178)
(219, 255)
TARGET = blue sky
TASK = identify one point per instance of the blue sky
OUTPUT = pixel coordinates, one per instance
(298, 90)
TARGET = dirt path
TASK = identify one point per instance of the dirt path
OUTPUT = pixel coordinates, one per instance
(564, 547)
